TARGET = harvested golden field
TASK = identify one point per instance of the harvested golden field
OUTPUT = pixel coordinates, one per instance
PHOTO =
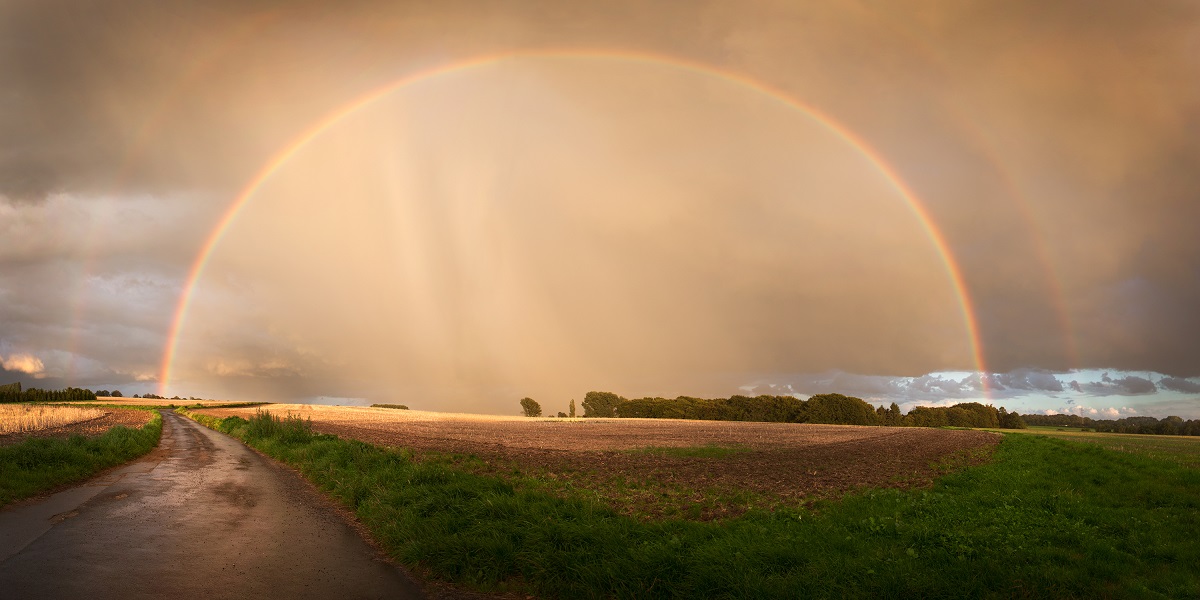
(665, 467)
(21, 421)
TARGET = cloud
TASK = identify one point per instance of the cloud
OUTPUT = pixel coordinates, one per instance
(1128, 385)
(1177, 384)
(1030, 380)
(24, 363)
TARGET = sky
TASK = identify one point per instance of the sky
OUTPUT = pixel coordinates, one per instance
(458, 204)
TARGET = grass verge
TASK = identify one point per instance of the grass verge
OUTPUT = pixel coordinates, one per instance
(1184, 450)
(1045, 518)
(39, 464)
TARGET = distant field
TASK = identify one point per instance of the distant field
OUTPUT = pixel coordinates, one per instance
(1180, 449)
(659, 468)
(157, 402)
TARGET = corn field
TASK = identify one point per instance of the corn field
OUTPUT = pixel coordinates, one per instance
(26, 418)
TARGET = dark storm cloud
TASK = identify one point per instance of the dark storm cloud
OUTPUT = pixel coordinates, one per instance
(1029, 379)
(1129, 385)
(1176, 384)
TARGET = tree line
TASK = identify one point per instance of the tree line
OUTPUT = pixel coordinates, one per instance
(13, 393)
(833, 409)
(1144, 425)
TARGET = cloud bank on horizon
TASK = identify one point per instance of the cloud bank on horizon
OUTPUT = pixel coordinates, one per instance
(562, 222)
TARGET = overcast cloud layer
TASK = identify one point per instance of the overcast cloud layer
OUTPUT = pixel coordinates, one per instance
(546, 226)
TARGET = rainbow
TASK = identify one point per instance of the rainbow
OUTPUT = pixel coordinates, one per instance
(280, 158)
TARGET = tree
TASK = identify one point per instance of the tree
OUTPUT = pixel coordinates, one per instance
(562, 415)
(531, 407)
(116, 393)
(601, 404)
(572, 414)
(836, 409)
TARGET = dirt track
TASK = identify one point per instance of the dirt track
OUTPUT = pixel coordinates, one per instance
(200, 517)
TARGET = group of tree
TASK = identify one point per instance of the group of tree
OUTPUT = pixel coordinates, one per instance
(835, 409)
(112, 394)
(14, 393)
(531, 408)
(963, 414)
(1144, 425)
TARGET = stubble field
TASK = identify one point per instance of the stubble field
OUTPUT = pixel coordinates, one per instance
(656, 468)
(19, 422)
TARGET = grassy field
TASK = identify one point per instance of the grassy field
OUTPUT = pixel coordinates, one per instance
(1044, 518)
(1180, 449)
(38, 464)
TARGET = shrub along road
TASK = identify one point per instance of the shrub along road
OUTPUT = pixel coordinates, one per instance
(201, 516)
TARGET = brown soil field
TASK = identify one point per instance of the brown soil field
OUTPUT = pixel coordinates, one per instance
(778, 463)
(103, 420)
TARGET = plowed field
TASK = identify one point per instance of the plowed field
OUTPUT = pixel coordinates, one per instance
(622, 460)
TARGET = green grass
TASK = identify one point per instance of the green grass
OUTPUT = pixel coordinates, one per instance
(39, 464)
(710, 451)
(1045, 518)
(1180, 449)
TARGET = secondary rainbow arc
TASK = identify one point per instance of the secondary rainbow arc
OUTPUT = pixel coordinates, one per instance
(280, 158)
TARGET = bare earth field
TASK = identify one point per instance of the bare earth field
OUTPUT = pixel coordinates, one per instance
(19, 422)
(627, 462)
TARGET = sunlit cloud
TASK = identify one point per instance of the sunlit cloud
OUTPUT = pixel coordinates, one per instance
(24, 363)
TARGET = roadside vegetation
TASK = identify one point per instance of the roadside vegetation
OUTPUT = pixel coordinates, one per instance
(36, 465)
(1044, 518)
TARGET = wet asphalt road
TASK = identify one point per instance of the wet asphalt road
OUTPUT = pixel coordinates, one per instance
(203, 516)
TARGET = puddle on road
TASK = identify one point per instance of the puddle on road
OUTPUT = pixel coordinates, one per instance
(60, 517)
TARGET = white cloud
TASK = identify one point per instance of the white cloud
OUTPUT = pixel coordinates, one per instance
(25, 363)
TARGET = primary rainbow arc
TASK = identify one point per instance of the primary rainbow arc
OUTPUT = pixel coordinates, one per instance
(280, 158)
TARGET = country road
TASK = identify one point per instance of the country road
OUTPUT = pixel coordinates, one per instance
(202, 516)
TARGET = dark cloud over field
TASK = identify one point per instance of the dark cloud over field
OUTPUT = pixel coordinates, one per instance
(543, 227)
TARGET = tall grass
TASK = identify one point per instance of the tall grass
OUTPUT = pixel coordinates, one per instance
(39, 464)
(1046, 518)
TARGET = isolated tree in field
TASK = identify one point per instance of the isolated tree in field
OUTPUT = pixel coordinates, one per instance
(116, 393)
(572, 411)
(562, 415)
(601, 404)
(531, 407)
